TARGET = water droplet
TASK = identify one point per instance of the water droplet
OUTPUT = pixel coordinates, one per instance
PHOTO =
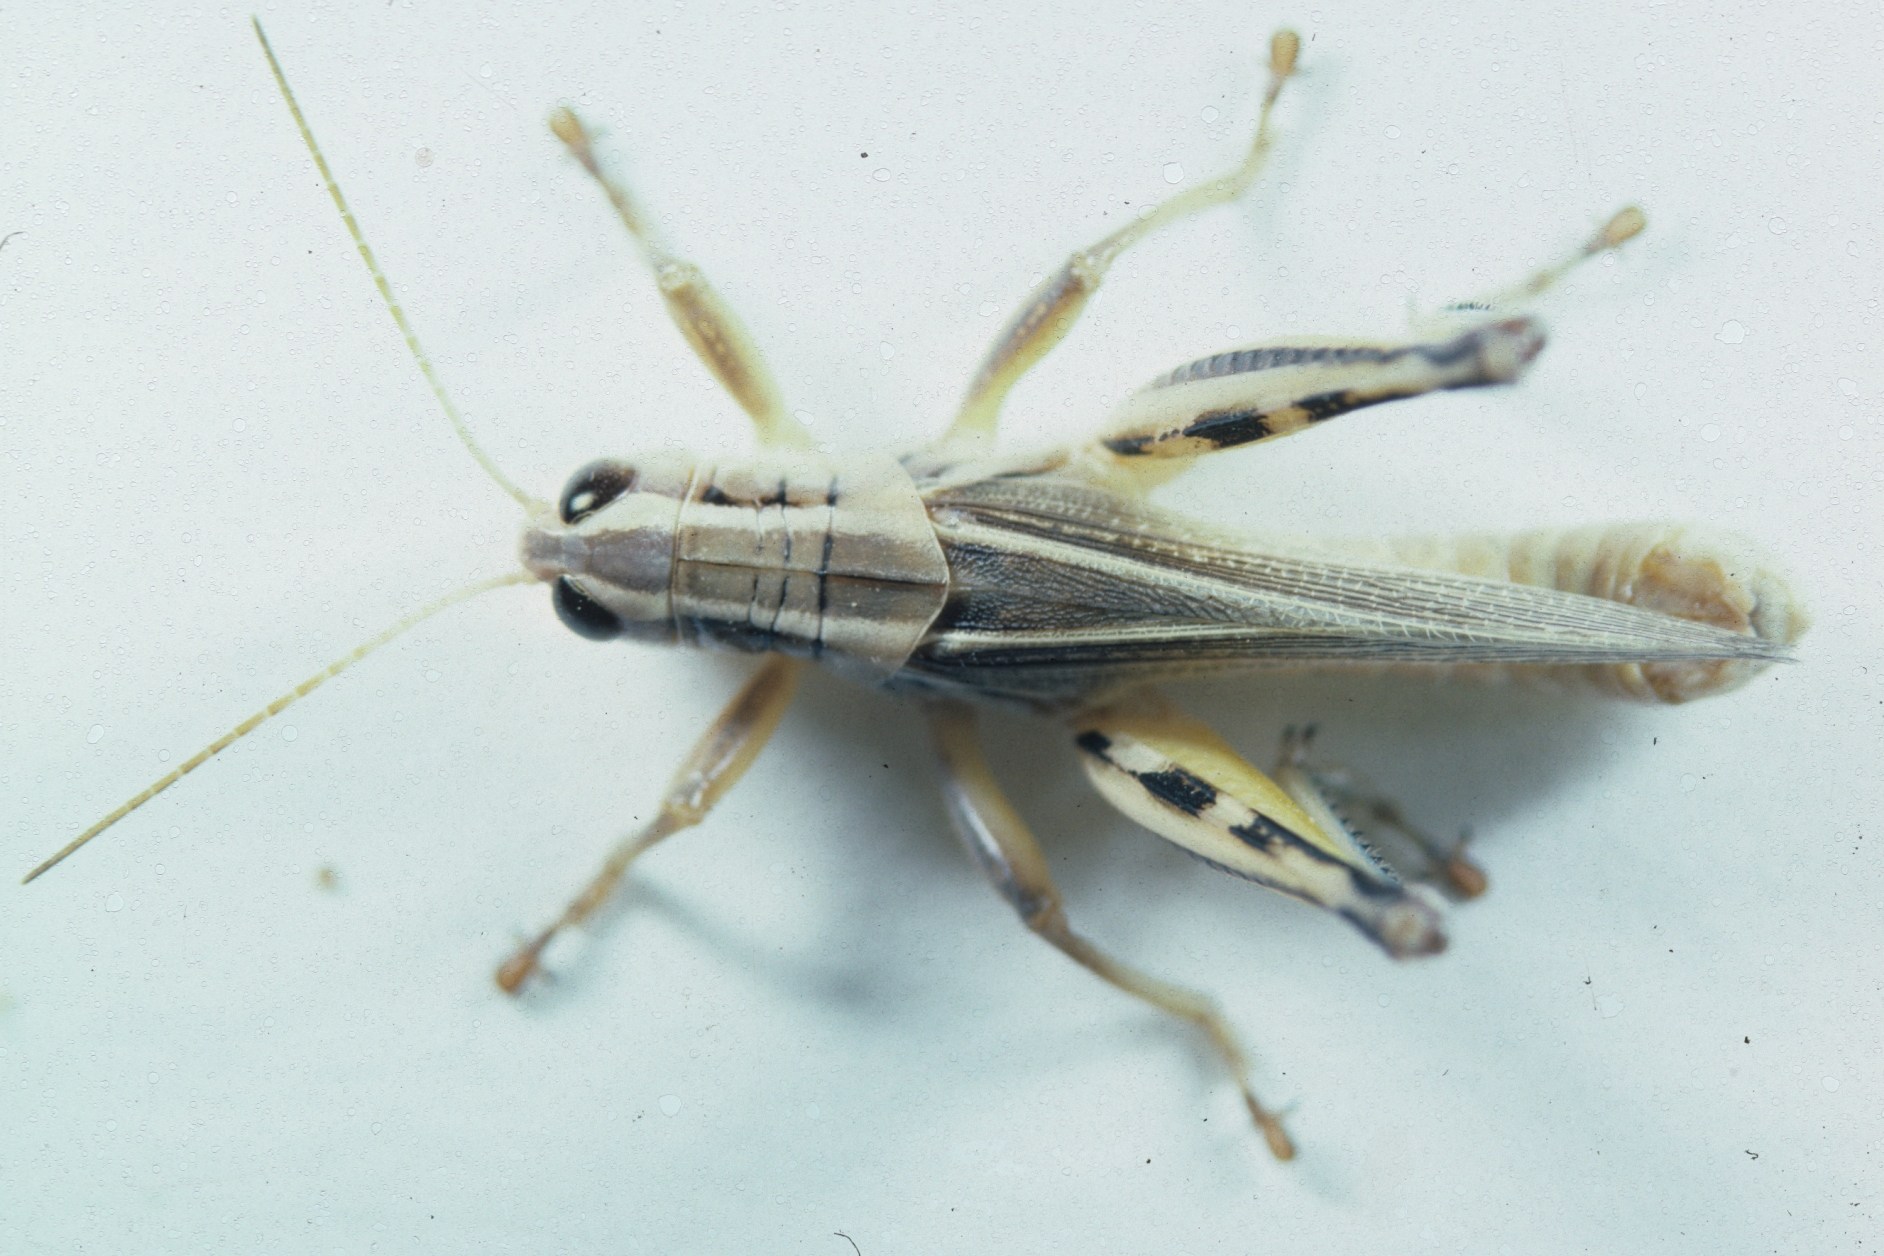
(1848, 386)
(376, 1127)
(1830, 1083)
(114, 901)
(987, 309)
(240, 425)
(1393, 132)
(484, 71)
(1777, 226)
(670, 1104)
(886, 350)
(1731, 332)
(1641, 391)
(290, 733)
(1710, 432)
(1845, 432)
(422, 158)
(1688, 782)
(880, 174)
(96, 731)
(1173, 173)
(1211, 114)
(233, 198)
(431, 673)
(1608, 1006)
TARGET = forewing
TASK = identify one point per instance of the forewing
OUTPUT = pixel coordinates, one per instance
(1061, 588)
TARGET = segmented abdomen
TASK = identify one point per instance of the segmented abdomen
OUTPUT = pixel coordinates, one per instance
(1689, 572)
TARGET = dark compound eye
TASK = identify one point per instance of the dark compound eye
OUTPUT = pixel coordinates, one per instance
(583, 615)
(594, 487)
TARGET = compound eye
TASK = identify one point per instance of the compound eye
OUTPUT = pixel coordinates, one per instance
(582, 614)
(594, 487)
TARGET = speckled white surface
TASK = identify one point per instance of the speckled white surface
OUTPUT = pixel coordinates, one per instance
(1659, 1032)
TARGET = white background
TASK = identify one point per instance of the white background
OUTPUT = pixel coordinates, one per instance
(1659, 1031)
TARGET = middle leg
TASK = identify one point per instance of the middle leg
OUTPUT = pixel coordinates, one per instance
(1007, 852)
(1057, 304)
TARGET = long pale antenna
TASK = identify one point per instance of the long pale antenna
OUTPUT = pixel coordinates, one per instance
(524, 499)
(279, 705)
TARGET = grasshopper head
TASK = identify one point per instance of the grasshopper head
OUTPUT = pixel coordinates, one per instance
(609, 547)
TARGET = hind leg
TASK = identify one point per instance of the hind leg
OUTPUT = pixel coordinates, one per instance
(1176, 777)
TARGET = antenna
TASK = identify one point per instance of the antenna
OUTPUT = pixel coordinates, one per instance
(276, 707)
(529, 503)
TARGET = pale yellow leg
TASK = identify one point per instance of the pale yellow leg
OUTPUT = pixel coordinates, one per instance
(1007, 852)
(1057, 304)
(715, 764)
(707, 322)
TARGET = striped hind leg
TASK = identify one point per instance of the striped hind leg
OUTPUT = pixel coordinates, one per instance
(1176, 777)
(1263, 391)
(1268, 391)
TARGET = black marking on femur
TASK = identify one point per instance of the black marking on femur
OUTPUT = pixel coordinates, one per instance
(1261, 833)
(1129, 445)
(1229, 427)
(582, 614)
(593, 487)
(1327, 405)
(1454, 351)
(1095, 744)
(714, 495)
(1179, 789)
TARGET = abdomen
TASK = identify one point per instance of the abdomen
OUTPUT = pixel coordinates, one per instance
(1692, 573)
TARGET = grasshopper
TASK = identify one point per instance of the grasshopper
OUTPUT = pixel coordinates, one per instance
(961, 576)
